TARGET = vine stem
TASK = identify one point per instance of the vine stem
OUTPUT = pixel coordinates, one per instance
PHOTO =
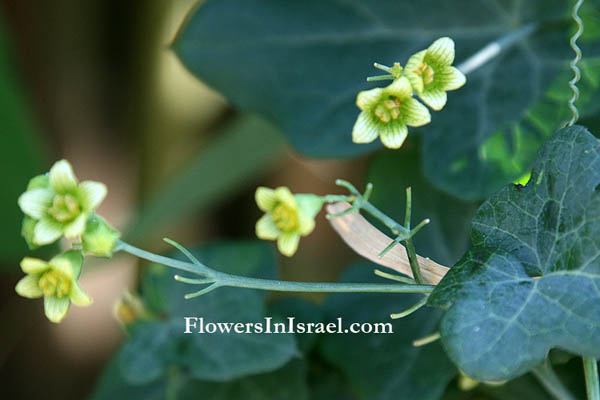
(590, 367)
(574, 61)
(222, 279)
(548, 378)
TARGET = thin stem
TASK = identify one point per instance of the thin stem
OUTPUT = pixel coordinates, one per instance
(427, 339)
(413, 261)
(380, 78)
(590, 368)
(382, 67)
(494, 48)
(222, 279)
(394, 277)
(408, 212)
(411, 309)
(548, 378)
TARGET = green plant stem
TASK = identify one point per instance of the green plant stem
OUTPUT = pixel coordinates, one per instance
(590, 367)
(548, 378)
(222, 279)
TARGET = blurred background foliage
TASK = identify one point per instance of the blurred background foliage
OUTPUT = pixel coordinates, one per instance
(100, 83)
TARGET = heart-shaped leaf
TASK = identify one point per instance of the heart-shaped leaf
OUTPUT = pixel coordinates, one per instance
(301, 65)
(532, 282)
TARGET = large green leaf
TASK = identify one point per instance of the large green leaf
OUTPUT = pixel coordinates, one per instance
(20, 152)
(532, 282)
(301, 64)
(385, 366)
(219, 356)
(446, 237)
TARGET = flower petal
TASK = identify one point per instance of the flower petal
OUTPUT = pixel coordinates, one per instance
(35, 202)
(415, 113)
(62, 178)
(367, 99)
(451, 78)
(441, 51)
(266, 228)
(79, 297)
(287, 243)
(91, 194)
(69, 263)
(365, 129)
(28, 287)
(31, 265)
(46, 231)
(410, 71)
(76, 227)
(265, 198)
(285, 196)
(55, 308)
(394, 135)
(434, 98)
(306, 223)
(39, 182)
(400, 88)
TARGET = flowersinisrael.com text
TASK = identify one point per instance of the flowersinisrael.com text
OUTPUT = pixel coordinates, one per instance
(288, 325)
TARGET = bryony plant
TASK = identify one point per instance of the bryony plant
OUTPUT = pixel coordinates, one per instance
(387, 112)
(431, 73)
(56, 204)
(287, 217)
(56, 281)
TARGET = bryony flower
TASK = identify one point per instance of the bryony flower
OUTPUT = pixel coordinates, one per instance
(287, 217)
(431, 73)
(57, 204)
(56, 281)
(386, 112)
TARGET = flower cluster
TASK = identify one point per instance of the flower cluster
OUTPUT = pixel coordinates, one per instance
(56, 205)
(387, 112)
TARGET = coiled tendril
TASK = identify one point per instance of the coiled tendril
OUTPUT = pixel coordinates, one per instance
(574, 61)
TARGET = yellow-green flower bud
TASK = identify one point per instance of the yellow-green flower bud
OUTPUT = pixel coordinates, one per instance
(386, 112)
(99, 238)
(56, 281)
(287, 217)
(56, 204)
(431, 73)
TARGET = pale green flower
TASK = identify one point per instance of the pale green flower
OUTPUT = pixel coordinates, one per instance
(56, 204)
(431, 73)
(287, 217)
(386, 112)
(56, 281)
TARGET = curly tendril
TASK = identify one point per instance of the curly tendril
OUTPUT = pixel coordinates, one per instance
(573, 63)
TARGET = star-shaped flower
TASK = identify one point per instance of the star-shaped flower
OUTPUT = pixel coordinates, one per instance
(56, 204)
(386, 112)
(287, 216)
(431, 73)
(56, 281)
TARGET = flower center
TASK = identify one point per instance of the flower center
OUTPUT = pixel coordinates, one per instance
(285, 217)
(388, 109)
(64, 208)
(426, 73)
(55, 283)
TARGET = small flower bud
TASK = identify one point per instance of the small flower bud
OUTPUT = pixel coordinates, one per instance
(99, 238)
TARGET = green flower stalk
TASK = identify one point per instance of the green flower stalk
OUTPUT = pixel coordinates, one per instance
(386, 112)
(56, 281)
(287, 217)
(56, 204)
(431, 73)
